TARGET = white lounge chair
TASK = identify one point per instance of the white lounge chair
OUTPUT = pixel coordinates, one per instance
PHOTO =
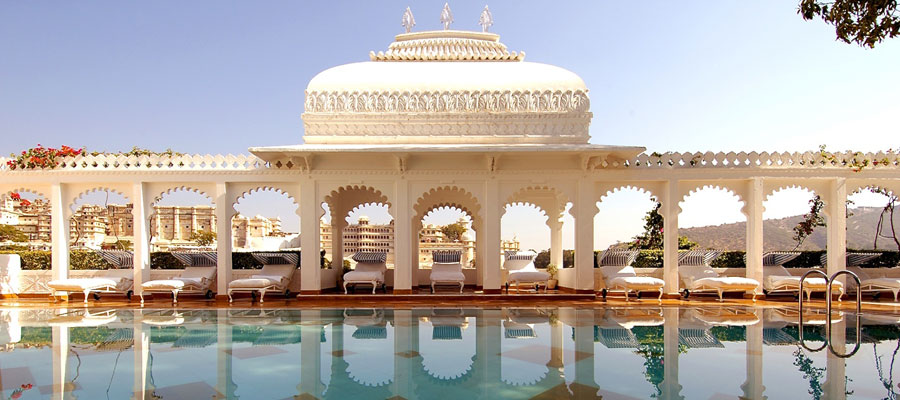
(876, 285)
(698, 276)
(447, 269)
(520, 265)
(618, 274)
(275, 278)
(777, 279)
(370, 269)
(194, 280)
(110, 281)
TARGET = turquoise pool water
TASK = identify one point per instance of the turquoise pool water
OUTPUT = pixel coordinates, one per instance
(425, 353)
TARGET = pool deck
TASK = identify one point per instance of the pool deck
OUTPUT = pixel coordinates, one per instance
(424, 298)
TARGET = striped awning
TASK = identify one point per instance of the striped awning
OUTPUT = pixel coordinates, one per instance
(777, 337)
(278, 334)
(777, 258)
(519, 332)
(277, 258)
(197, 258)
(615, 338)
(447, 332)
(853, 259)
(117, 258)
(370, 332)
(520, 255)
(697, 257)
(621, 258)
(370, 257)
(446, 256)
(698, 338)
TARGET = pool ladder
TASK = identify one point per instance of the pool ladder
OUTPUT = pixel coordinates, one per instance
(828, 296)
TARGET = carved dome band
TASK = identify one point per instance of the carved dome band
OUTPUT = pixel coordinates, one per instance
(449, 101)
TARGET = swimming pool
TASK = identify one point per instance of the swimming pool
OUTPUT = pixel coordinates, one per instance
(425, 353)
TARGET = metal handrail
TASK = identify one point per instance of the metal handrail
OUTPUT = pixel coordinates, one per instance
(828, 294)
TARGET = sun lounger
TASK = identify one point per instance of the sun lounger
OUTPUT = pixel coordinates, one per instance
(370, 269)
(110, 281)
(869, 283)
(447, 269)
(618, 274)
(778, 279)
(274, 277)
(520, 265)
(194, 280)
(697, 276)
(82, 319)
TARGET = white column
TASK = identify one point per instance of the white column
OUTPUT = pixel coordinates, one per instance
(224, 212)
(754, 216)
(310, 240)
(584, 347)
(60, 338)
(225, 386)
(670, 212)
(835, 385)
(404, 273)
(753, 387)
(670, 387)
(141, 216)
(405, 338)
(556, 250)
(141, 352)
(491, 261)
(836, 204)
(59, 231)
(488, 335)
(585, 209)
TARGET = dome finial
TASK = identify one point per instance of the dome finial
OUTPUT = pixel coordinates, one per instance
(408, 21)
(446, 16)
(486, 20)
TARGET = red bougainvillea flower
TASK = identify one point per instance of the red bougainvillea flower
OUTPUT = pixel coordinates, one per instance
(25, 203)
(15, 196)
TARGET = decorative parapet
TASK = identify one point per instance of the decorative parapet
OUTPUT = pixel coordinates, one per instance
(187, 162)
(809, 159)
(447, 46)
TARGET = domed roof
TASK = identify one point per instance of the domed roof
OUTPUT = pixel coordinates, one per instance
(446, 87)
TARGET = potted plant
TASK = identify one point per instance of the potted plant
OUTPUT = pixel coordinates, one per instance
(552, 269)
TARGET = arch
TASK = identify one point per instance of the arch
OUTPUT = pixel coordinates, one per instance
(550, 201)
(187, 188)
(447, 196)
(717, 187)
(84, 193)
(346, 198)
(621, 188)
(244, 191)
(25, 190)
(779, 188)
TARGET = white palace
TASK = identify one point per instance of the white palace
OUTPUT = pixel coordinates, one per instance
(449, 119)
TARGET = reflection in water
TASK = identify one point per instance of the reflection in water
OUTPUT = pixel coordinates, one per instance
(427, 353)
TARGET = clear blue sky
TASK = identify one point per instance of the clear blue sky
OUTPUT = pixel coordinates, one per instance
(221, 76)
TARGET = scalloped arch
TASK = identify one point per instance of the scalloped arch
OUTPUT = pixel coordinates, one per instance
(264, 188)
(447, 196)
(790, 186)
(713, 186)
(185, 188)
(861, 187)
(627, 187)
(81, 194)
(25, 189)
(356, 195)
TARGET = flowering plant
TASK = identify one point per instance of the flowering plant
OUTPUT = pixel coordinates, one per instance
(42, 157)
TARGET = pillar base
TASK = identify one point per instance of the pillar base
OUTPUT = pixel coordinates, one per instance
(402, 291)
(492, 291)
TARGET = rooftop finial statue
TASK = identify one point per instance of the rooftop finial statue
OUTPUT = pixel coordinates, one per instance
(446, 16)
(408, 21)
(486, 20)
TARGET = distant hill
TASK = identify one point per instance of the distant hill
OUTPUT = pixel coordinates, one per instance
(778, 233)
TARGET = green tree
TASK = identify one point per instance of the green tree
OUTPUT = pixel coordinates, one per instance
(652, 237)
(454, 232)
(203, 237)
(864, 22)
(12, 234)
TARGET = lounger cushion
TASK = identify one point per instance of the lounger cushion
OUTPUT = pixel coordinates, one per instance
(725, 283)
(447, 272)
(82, 284)
(882, 282)
(528, 276)
(255, 282)
(366, 272)
(175, 283)
(774, 281)
(637, 282)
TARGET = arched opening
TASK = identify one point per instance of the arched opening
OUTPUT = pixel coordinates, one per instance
(785, 210)
(183, 219)
(101, 219)
(357, 219)
(711, 218)
(447, 218)
(24, 221)
(265, 220)
(872, 222)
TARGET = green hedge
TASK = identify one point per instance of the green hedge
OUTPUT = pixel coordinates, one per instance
(83, 259)
(735, 259)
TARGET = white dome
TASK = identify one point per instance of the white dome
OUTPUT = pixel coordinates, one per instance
(446, 87)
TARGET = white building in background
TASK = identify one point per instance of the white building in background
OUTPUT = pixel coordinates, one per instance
(450, 119)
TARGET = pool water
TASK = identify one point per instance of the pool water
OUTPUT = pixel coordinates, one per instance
(429, 353)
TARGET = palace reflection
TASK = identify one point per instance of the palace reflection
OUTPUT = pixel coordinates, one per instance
(642, 352)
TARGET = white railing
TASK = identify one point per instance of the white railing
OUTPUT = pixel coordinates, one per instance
(809, 159)
(186, 162)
